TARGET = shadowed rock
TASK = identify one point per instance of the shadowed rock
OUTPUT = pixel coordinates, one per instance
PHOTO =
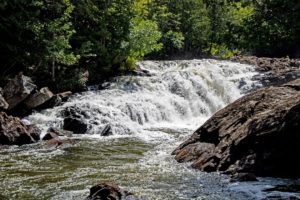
(74, 120)
(14, 131)
(258, 133)
(38, 98)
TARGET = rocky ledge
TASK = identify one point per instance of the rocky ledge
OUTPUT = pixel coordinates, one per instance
(273, 71)
(259, 133)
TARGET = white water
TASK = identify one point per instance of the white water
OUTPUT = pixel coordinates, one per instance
(178, 94)
(150, 117)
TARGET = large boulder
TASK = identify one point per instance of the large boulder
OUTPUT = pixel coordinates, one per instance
(14, 131)
(259, 133)
(75, 120)
(17, 90)
(38, 98)
(107, 191)
(3, 104)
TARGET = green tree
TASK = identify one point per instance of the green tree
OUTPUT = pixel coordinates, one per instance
(144, 35)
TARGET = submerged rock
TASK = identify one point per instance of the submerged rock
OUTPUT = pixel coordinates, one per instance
(17, 90)
(14, 132)
(53, 133)
(59, 142)
(107, 131)
(107, 191)
(258, 133)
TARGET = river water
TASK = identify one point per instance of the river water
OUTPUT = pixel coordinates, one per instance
(149, 117)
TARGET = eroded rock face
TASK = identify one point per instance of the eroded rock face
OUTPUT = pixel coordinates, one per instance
(259, 133)
(107, 191)
(14, 132)
(17, 90)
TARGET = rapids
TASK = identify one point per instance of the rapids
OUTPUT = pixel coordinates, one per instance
(149, 116)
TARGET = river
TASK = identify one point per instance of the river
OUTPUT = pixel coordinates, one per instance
(149, 117)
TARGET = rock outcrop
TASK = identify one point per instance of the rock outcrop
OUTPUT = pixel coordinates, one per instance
(273, 71)
(17, 90)
(107, 191)
(259, 133)
(14, 132)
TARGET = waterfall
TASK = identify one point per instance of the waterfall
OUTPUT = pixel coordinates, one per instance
(149, 116)
(176, 94)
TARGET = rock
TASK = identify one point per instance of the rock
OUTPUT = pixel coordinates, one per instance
(107, 191)
(75, 125)
(274, 71)
(3, 104)
(243, 177)
(65, 95)
(17, 90)
(258, 133)
(284, 188)
(50, 135)
(74, 120)
(59, 142)
(53, 133)
(38, 98)
(14, 132)
(107, 131)
(55, 100)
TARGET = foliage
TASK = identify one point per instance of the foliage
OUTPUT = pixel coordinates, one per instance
(56, 41)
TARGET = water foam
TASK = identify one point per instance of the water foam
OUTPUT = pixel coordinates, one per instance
(178, 93)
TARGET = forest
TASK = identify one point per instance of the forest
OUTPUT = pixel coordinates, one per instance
(57, 41)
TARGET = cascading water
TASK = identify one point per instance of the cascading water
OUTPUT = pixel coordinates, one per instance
(177, 93)
(149, 116)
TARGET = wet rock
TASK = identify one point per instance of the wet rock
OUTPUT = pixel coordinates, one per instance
(56, 100)
(60, 142)
(243, 177)
(17, 90)
(65, 95)
(14, 132)
(75, 125)
(53, 133)
(107, 131)
(258, 133)
(107, 191)
(38, 98)
(74, 120)
(3, 104)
